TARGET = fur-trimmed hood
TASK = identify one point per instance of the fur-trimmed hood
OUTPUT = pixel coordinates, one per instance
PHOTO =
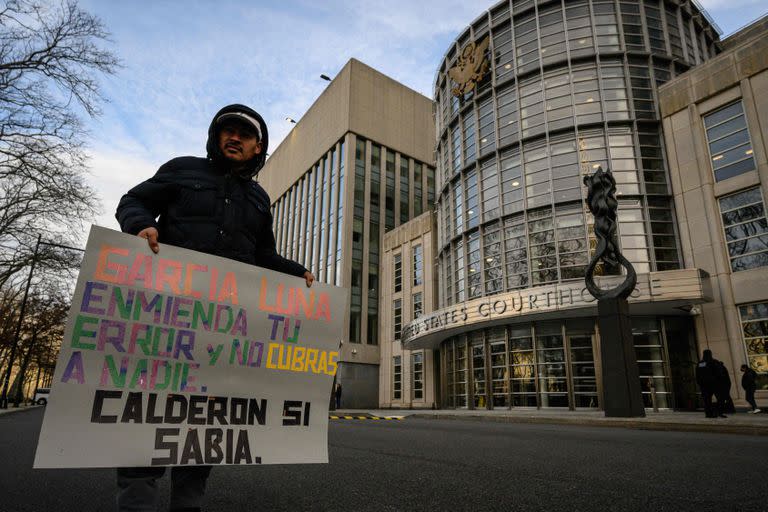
(212, 146)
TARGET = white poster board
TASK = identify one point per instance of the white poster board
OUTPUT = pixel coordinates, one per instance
(183, 358)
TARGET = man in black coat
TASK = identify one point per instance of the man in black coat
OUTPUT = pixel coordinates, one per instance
(749, 383)
(707, 376)
(211, 205)
(723, 391)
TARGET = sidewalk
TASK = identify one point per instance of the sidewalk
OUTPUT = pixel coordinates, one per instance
(21, 407)
(739, 423)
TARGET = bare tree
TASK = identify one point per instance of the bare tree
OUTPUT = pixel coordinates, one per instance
(50, 61)
(42, 333)
(9, 300)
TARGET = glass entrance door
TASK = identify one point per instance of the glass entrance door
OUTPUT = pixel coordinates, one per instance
(551, 365)
(584, 382)
(478, 377)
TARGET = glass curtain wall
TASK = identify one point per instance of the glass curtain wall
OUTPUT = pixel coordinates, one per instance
(380, 175)
(309, 220)
(339, 216)
(308, 217)
(571, 86)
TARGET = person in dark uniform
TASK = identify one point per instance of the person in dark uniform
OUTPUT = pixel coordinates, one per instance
(707, 377)
(338, 395)
(749, 383)
(211, 205)
(723, 391)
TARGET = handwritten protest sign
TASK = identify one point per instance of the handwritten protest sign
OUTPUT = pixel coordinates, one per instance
(182, 358)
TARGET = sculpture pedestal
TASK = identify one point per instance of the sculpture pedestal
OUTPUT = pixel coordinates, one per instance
(622, 396)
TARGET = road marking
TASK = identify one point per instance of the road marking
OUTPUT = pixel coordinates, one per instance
(396, 418)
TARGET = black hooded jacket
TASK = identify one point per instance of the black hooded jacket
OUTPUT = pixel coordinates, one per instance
(204, 205)
(749, 380)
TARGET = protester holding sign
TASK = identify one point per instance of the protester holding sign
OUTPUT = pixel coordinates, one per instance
(214, 206)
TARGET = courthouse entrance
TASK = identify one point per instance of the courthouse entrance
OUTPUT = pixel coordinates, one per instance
(556, 364)
(543, 364)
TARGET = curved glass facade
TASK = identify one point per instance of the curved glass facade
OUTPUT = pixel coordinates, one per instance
(571, 85)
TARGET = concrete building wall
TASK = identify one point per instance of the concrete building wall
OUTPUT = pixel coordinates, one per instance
(359, 384)
(401, 241)
(738, 74)
(359, 100)
(383, 110)
(326, 121)
(320, 182)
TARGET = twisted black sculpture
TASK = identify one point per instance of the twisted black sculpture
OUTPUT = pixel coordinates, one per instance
(601, 200)
(622, 396)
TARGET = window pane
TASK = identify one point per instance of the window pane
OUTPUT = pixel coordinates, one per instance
(730, 147)
(745, 222)
(754, 322)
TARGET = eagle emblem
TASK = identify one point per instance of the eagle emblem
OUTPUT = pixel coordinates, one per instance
(470, 68)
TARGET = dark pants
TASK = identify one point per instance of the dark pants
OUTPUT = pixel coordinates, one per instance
(726, 403)
(138, 488)
(711, 409)
(751, 398)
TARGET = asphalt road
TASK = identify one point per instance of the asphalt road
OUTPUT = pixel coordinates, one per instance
(440, 465)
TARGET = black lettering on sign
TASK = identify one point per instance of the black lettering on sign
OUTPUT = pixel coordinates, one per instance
(192, 453)
(213, 439)
(217, 408)
(162, 444)
(295, 413)
(98, 404)
(257, 411)
(243, 450)
(133, 410)
(196, 410)
(170, 417)
(238, 411)
(151, 404)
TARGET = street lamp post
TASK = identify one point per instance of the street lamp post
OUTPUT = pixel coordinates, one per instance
(14, 346)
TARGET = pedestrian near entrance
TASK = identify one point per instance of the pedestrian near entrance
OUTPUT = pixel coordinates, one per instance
(707, 372)
(723, 391)
(211, 205)
(749, 383)
(338, 394)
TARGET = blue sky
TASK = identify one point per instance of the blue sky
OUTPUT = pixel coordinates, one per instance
(183, 60)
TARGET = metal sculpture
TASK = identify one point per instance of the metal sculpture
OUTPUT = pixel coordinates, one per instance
(622, 396)
(601, 201)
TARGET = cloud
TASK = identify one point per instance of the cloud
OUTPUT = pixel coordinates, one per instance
(269, 55)
(113, 174)
(715, 5)
(177, 75)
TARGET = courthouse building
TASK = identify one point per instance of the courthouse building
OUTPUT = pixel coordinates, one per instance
(716, 129)
(564, 87)
(357, 164)
(460, 224)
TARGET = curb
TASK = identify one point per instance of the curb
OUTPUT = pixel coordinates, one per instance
(347, 417)
(751, 430)
(12, 410)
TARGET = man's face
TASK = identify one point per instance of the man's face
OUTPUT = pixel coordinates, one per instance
(238, 141)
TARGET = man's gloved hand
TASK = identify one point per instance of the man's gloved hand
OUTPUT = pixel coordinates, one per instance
(151, 235)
